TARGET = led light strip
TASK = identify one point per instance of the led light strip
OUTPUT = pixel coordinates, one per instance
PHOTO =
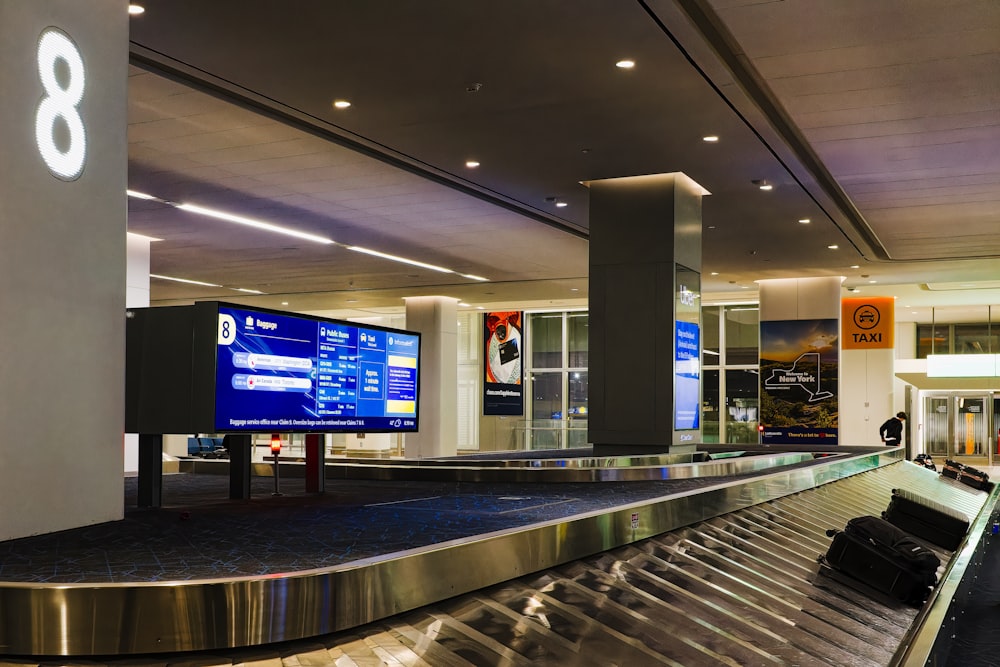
(267, 226)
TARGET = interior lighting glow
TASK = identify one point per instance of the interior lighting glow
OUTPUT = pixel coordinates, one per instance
(135, 10)
(245, 290)
(714, 273)
(766, 187)
(625, 64)
(710, 139)
(60, 102)
(341, 104)
(561, 204)
(833, 247)
(250, 222)
(183, 280)
(138, 195)
(396, 258)
(473, 277)
(142, 237)
(804, 221)
(471, 164)
(855, 266)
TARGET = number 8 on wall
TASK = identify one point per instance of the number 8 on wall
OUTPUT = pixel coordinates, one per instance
(59, 102)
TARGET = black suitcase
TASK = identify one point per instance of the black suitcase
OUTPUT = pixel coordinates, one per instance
(883, 557)
(967, 475)
(926, 519)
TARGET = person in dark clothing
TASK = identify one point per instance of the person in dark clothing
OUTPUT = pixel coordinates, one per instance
(892, 430)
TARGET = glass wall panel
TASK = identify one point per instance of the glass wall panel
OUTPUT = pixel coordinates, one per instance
(741, 406)
(546, 340)
(546, 410)
(710, 404)
(578, 391)
(578, 329)
(742, 335)
(933, 339)
(710, 336)
(975, 339)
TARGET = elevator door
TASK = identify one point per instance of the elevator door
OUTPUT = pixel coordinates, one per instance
(957, 427)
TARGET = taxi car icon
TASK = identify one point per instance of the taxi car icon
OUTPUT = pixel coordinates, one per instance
(867, 316)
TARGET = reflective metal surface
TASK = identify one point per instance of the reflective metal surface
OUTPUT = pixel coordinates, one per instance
(736, 582)
(614, 469)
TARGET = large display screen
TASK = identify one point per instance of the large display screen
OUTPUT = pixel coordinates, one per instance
(280, 372)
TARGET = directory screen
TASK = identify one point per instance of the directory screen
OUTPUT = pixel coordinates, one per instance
(283, 372)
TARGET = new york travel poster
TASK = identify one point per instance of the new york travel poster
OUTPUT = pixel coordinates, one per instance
(798, 381)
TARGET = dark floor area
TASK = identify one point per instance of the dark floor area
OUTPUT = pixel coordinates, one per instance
(200, 534)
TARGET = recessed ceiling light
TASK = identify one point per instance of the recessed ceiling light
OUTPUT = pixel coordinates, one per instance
(574, 289)
(352, 301)
(135, 10)
(833, 247)
(284, 303)
(710, 139)
(561, 204)
(341, 104)
(872, 281)
(855, 266)
(804, 221)
(625, 64)
(715, 273)
(766, 187)
(463, 304)
(471, 164)
(244, 289)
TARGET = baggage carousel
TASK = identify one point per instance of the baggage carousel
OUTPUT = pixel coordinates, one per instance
(649, 560)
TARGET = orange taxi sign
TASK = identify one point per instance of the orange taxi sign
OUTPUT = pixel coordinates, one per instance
(867, 323)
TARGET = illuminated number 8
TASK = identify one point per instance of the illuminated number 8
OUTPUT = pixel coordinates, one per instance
(59, 102)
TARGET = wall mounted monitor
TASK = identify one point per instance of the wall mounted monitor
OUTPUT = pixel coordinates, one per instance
(217, 367)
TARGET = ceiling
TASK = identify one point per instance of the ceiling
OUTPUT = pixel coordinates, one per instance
(877, 122)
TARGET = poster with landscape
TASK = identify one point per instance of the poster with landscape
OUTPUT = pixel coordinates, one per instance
(799, 362)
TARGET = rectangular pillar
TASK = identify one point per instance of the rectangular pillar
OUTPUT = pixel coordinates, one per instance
(63, 174)
(150, 482)
(800, 361)
(240, 464)
(645, 265)
(436, 318)
(315, 463)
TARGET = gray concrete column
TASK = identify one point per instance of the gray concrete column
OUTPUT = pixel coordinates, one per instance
(645, 266)
(63, 168)
(436, 318)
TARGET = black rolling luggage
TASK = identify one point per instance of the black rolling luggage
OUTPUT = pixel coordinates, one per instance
(926, 519)
(880, 555)
(967, 475)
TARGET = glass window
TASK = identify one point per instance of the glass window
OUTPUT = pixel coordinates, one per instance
(742, 335)
(578, 328)
(546, 395)
(546, 340)
(741, 406)
(578, 391)
(710, 406)
(933, 339)
(974, 339)
(710, 336)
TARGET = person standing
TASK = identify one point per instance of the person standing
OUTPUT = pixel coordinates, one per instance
(892, 430)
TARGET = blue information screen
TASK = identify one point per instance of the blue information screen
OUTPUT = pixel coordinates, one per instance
(687, 383)
(287, 373)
